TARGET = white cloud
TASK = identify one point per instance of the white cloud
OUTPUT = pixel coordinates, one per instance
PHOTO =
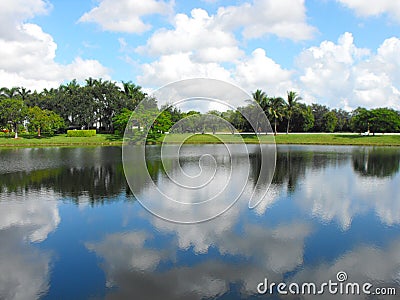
(203, 45)
(374, 8)
(173, 67)
(13, 12)
(260, 71)
(343, 74)
(28, 54)
(125, 15)
(250, 72)
(284, 18)
(198, 34)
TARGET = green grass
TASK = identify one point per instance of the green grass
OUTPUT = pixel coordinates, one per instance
(110, 139)
(339, 139)
(59, 140)
(314, 139)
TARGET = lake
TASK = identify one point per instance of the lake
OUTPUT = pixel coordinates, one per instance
(70, 227)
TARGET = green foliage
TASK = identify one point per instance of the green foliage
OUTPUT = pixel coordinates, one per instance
(81, 133)
(291, 105)
(276, 109)
(121, 120)
(13, 111)
(384, 120)
(303, 118)
(375, 120)
(343, 120)
(319, 111)
(360, 120)
(329, 121)
(44, 120)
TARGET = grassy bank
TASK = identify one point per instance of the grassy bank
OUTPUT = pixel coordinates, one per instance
(314, 139)
(109, 139)
(60, 140)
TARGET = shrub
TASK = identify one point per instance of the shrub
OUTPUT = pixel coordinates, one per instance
(81, 133)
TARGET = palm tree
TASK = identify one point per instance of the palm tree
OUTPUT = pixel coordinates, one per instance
(261, 99)
(276, 107)
(133, 93)
(292, 102)
(9, 93)
(24, 93)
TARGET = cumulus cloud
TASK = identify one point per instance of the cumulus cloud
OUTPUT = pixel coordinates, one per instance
(260, 71)
(28, 53)
(173, 67)
(341, 74)
(375, 8)
(13, 12)
(125, 15)
(204, 45)
(285, 19)
(198, 34)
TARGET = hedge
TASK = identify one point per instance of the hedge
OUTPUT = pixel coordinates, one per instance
(81, 133)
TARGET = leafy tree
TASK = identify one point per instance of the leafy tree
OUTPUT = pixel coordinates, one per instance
(44, 120)
(133, 93)
(303, 118)
(384, 120)
(343, 120)
(330, 121)
(360, 120)
(121, 121)
(162, 124)
(319, 111)
(235, 118)
(13, 111)
(291, 104)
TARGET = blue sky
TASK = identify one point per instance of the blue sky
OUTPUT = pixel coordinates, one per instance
(342, 53)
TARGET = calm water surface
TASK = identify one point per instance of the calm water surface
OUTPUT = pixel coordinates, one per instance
(70, 228)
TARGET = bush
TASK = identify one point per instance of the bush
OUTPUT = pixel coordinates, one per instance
(81, 133)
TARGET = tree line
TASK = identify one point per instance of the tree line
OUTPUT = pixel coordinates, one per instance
(107, 106)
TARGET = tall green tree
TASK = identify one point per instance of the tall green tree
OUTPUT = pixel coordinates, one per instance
(303, 118)
(360, 120)
(343, 120)
(329, 120)
(13, 111)
(291, 104)
(262, 100)
(319, 111)
(9, 93)
(276, 109)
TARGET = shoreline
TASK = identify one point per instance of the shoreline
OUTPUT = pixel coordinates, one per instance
(334, 139)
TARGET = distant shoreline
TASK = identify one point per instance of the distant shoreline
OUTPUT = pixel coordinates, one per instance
(293, 138)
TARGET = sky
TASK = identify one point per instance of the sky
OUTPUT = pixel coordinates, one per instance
(340, 53)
